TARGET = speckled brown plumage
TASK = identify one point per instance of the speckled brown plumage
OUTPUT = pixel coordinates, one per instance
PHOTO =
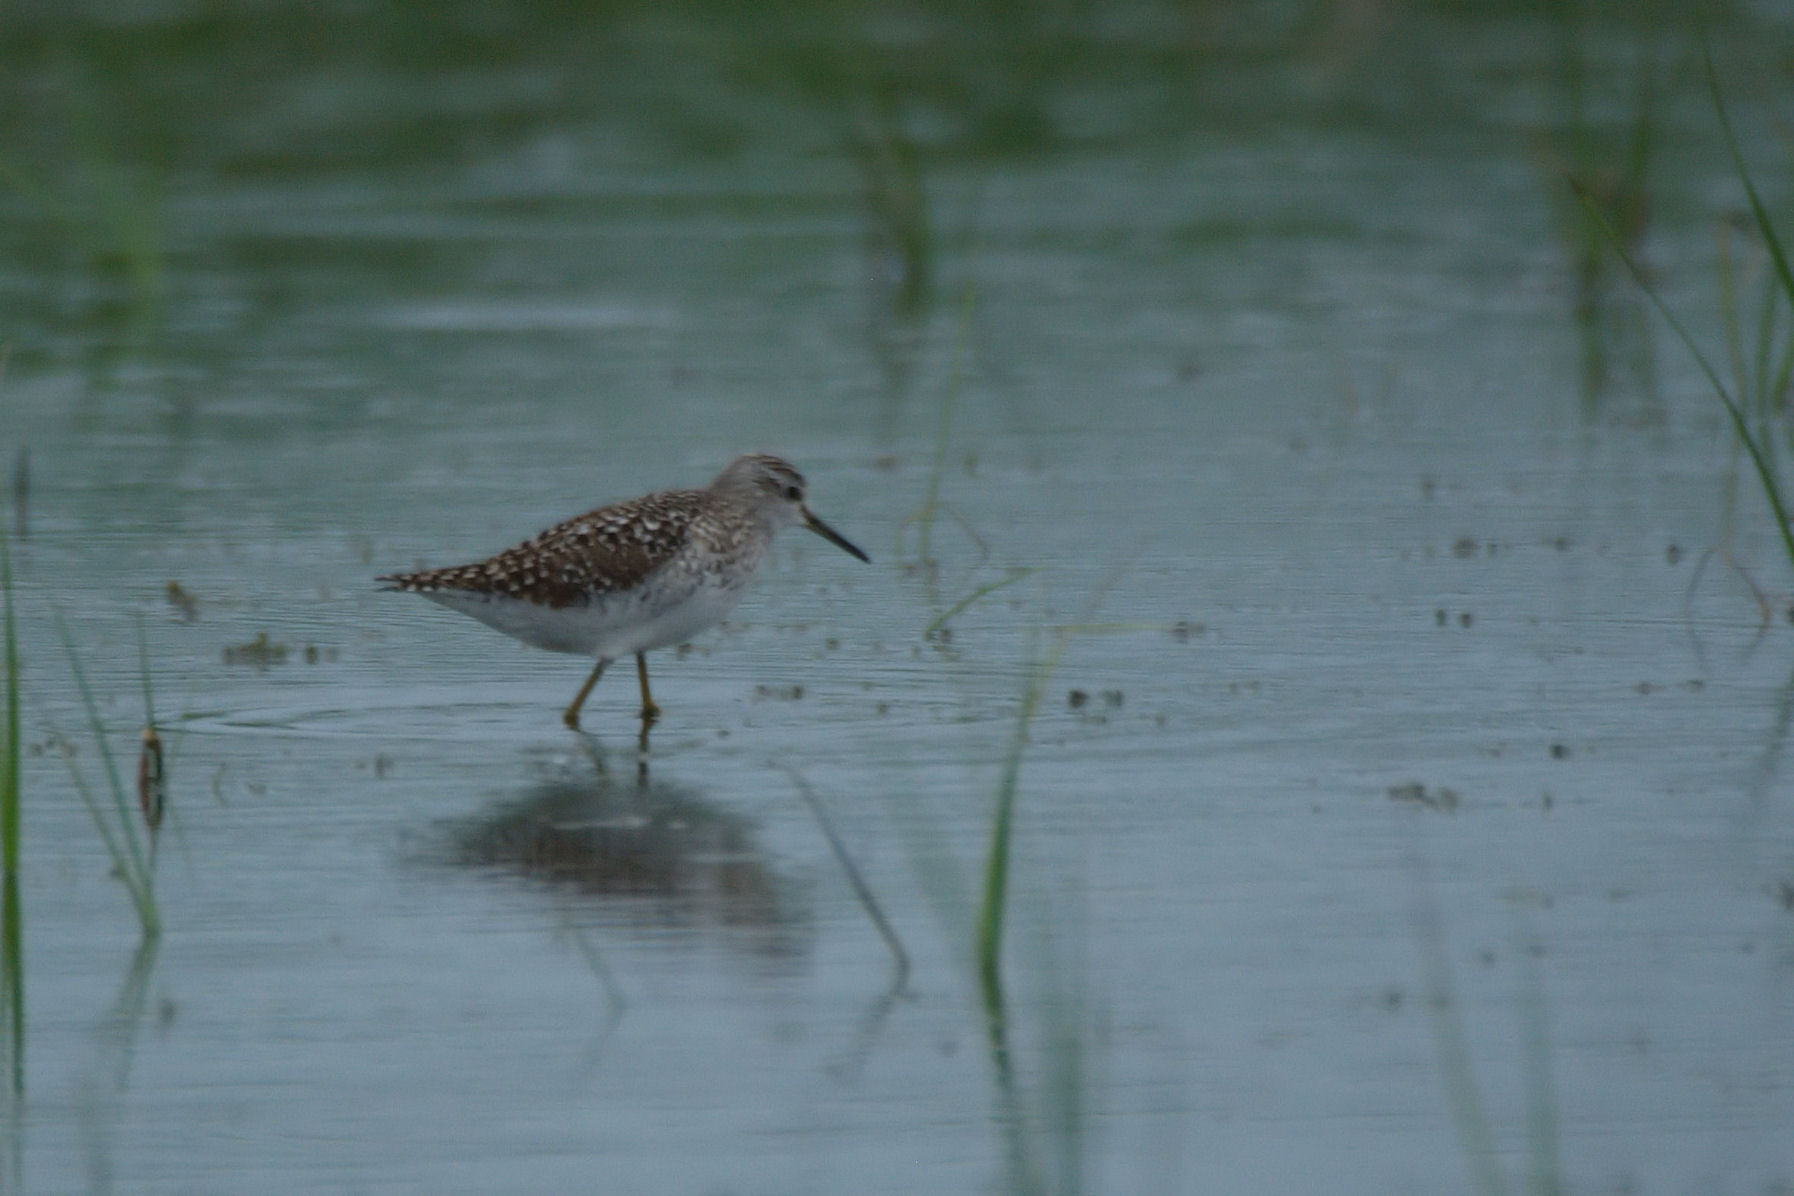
(604, 551)
(634, 576)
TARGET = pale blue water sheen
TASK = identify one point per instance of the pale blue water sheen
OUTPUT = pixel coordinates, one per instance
(1304, 385)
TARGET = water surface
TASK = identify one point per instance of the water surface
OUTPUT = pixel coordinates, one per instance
(1410, 793)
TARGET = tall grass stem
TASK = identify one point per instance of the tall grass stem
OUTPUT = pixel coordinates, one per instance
(931, 495)
(12, 915)
(996, 864)
(1758, 212)
(1758, 453)
(941, 620)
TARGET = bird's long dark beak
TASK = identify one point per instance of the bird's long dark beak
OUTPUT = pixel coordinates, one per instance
(832, 536)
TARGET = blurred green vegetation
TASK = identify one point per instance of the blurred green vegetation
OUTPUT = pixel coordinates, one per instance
(123, 124)
(258, 88)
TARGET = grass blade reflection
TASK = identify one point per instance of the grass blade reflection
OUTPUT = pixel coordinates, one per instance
(133, 863)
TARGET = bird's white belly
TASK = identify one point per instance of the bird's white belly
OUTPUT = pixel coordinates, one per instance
(611, 626)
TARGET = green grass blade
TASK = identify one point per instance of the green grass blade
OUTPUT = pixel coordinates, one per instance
(996, 866)
(12, 928)
(1759, 460)
(1758, 212)
(940, 620)
(9, 745)
(937, 467)
(120, 795)
(142, 898)
(996, 869)
(95, 810)
(1777, 392)
(12, 916)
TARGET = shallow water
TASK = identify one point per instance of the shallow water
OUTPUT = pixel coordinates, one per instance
(1417, 700)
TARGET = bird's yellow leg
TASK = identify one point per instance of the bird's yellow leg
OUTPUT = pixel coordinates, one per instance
(571, 717)
(650, 711)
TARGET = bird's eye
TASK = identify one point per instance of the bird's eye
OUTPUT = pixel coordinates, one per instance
(794, 494)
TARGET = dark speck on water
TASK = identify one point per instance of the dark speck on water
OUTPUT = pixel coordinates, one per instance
(259, 652)
(185, 605)
(1414, 792)
(780, 693)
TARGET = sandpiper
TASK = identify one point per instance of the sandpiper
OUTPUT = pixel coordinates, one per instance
(633, 576)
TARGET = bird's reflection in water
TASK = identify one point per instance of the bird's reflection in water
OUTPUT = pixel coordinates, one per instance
(659, 856)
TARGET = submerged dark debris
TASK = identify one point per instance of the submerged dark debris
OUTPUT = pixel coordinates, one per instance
(152, 789)
(779, 693)
(182, 601)
(1078, 699)
(262, 652)
(1442, 798)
